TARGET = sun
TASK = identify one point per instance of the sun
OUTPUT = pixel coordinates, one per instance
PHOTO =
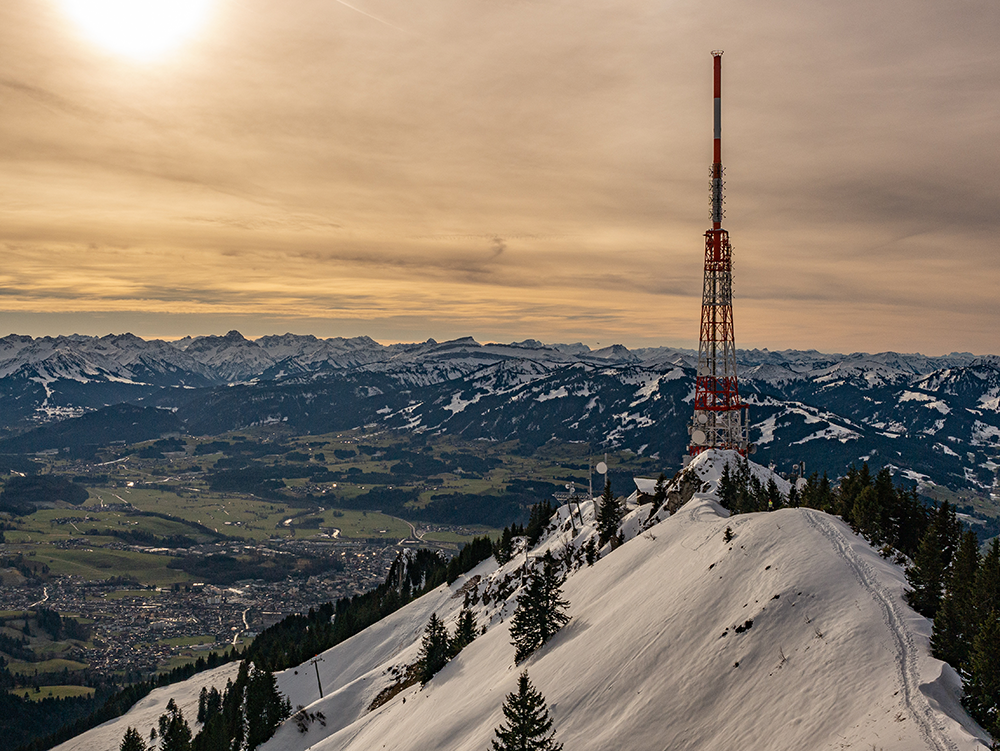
(140, 29)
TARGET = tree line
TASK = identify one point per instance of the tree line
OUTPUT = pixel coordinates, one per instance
(950, 581)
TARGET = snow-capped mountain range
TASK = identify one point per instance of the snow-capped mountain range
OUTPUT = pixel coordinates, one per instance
(791, 635)
(932, 419)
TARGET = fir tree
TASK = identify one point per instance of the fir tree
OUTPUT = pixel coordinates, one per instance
(540, 609)
(590, 551)
(132, 741)
(265, 708)
(956, 623)
(465, 632)
(659, 494)
(982, 677)
(926, 575)
(865, 516)
(948, 528)
(433, 649)
(728, 490)
(987, 588)
(202, 701)
(529, 727)
(538, 521)
(610, 512)
(175, 735)
(794, 499)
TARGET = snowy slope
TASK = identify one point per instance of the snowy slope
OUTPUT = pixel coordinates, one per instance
(144, 715)
(652, 658)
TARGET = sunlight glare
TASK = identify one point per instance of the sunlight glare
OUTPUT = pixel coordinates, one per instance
(141, 29)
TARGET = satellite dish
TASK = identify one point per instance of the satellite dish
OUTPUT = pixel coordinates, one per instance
(800, 483)
(602, 468)
(702, 418)
(698, 438)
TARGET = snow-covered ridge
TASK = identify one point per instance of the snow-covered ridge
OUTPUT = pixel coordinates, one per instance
(793, 635)
(232, 357)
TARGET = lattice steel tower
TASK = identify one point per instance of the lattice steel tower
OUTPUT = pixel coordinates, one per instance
(720, 419)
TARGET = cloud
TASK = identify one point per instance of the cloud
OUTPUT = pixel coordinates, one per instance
(525, 166)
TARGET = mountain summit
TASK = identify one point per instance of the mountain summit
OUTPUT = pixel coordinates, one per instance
(779, 630)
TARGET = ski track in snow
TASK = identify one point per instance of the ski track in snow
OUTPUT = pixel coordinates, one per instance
(906, 653)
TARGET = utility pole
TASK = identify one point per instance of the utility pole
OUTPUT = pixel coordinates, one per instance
(313, 661)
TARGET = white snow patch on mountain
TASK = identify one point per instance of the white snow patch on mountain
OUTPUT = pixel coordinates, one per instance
(766, 429)
(458, 404)
(559, 393)
(144, 714)
(983, 433)
(827, 655)
(932, 402)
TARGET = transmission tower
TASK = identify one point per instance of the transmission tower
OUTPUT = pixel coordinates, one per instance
(720, 419)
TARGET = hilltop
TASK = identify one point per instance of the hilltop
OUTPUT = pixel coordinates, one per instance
(792, 635)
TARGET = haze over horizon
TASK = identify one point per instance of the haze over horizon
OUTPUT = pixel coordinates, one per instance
(501, 170)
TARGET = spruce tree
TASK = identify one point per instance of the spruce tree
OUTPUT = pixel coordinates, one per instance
(982, 677)
(529, 727)
(132, 741)
(609, 514)
(659, 494)
(465, 632)
(955, 623)
(865, 515)
(202, 701)
(175, 734)
(926, 575)
(433, 649)
(987, 588)
(728, 491)
(794, 499)
(503, 549)
(540, 609)
(265, 707)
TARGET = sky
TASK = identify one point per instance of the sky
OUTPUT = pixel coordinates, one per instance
(503, 169)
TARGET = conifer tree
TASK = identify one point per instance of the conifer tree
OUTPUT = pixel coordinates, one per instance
(794, 499)
(433, 649)
(175, 734)
(465, 632)
(982, 677)
(265, 707)
(865, 516)
(538, 521)
(529, 727)
(955, 623)
(728, 490)
(659, 494)
(948, 529)
(987, 588)
(540, 609)
(503, 550)
(202, 701)
(824, 493)
(132, 741)
(926, 575)
(886, 504)
(609, 514)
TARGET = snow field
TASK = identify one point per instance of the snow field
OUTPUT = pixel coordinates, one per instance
(794, 636)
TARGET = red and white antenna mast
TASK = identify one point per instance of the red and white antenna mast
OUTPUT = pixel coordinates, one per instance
(720, 419)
